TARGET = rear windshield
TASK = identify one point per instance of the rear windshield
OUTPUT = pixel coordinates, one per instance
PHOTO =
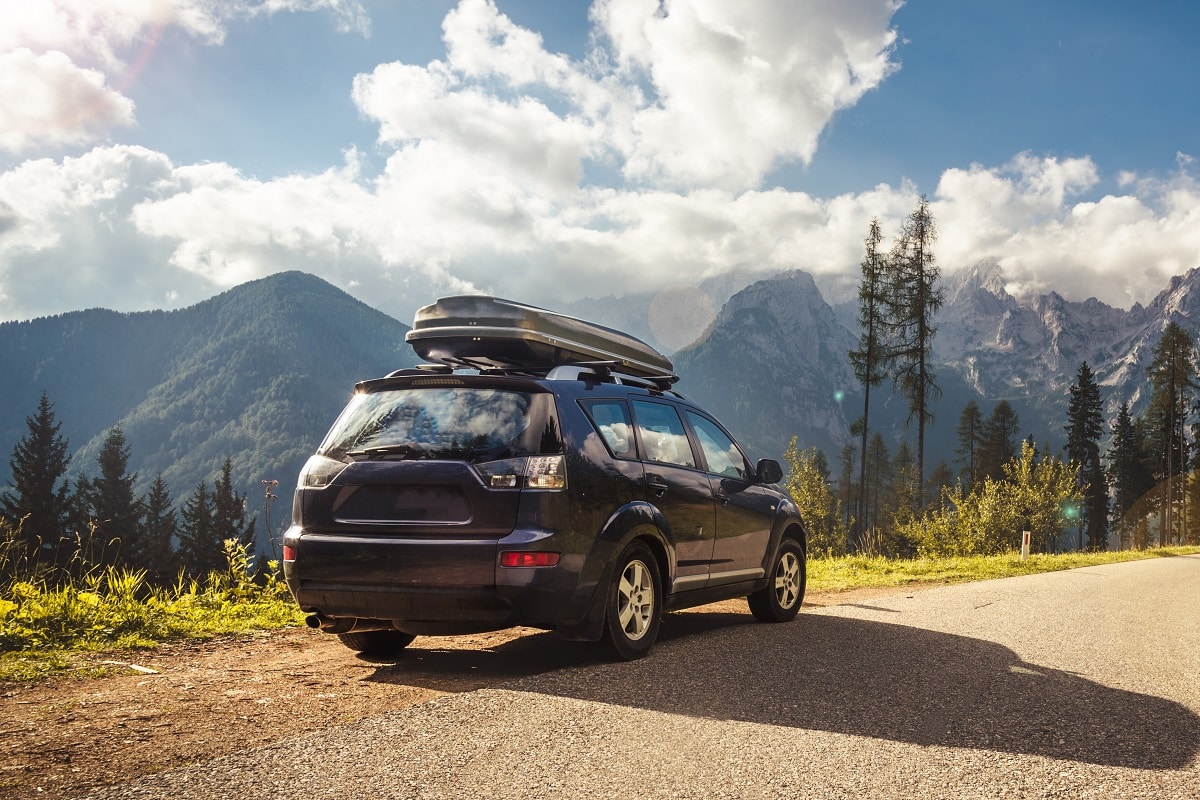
(460, 424)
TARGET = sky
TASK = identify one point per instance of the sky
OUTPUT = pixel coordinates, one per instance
(154, 153)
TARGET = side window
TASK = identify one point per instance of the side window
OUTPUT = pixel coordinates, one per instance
(611, 420)
(662, 434)
(722, 455)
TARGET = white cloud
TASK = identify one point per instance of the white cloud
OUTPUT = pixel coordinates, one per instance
(67, 241)
(482, 42)
(1029, 216)
(737, 88)
(102, 32)
(48, 99)
(231, 229)
(494, 144)
(525, 173)
(700, 94)
(519, 138)
(68, 229)
(63, 62)
(350, 15)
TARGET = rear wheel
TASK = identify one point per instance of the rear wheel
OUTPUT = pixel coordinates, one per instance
(377, 643)
(780, 599)
(634, 611)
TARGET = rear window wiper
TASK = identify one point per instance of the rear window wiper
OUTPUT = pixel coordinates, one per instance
(382, 451)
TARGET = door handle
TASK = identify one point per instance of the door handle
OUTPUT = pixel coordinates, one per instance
(657, 485)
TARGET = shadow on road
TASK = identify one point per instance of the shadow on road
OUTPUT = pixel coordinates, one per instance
(455, 669)
(843, 675)
(891, 682)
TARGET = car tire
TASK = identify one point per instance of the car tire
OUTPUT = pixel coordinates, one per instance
(377, 643)
(634, 606)
(780, 599)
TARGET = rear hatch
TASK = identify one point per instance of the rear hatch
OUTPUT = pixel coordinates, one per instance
(419, 477)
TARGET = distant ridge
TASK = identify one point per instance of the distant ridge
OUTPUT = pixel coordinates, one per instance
(256, 373)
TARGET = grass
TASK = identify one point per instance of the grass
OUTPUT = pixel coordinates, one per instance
(57, 631)
(53, 629)
(853, 572)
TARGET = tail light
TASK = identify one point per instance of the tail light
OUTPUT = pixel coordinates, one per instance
(319, 472)
(531, 472)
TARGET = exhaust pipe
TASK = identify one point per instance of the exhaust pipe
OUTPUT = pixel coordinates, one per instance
(319, 621)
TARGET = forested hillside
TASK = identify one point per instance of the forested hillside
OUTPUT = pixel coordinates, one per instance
(256, 374)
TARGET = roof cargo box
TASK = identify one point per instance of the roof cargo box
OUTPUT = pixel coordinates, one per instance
(481, 331)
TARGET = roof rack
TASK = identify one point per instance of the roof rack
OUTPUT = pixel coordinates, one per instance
(599, 371)
(609, 371)
(421, 369)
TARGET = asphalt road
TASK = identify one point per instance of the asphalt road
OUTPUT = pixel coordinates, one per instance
(1080, 684)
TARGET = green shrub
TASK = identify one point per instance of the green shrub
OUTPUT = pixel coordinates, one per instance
(113, 608)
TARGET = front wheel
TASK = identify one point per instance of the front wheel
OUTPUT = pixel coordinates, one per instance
(780, 599)
(634, 609)
(377, 643)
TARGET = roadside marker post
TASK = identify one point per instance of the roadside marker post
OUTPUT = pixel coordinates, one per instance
(1024, 545)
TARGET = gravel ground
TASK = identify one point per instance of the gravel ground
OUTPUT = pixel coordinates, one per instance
(1083, 684)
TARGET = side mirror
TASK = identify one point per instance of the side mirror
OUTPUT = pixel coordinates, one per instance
(768, 471)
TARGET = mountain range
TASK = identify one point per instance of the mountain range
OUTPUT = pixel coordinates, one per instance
(989, 346)
(259, 372)
(256, 374)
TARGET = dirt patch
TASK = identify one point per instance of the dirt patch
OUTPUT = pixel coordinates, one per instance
(188, 702)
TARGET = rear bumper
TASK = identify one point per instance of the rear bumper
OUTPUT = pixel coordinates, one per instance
(435, 586)
(418, 611)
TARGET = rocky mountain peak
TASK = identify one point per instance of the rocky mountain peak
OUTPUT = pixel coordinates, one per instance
(790, 298)
(1180, 301)
(984, 278)
(775, 361)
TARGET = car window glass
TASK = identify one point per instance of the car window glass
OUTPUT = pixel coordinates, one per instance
(662, 434)
(611, 420)
(470, 424)
(720, 452)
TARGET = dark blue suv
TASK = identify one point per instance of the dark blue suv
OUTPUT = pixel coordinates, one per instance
(481, 494)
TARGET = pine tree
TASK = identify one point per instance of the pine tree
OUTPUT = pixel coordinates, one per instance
(1191, 533)
(999, 443)
(201, 549)
(904, 499)
(78, 520)
(879, 470)
(1129, 478)
(229, 510)
(159, 524)
(115, 507)
(847, 490)
(970, 437)
(871, 356)
(82, 546)
(36, 502)
(913, 299)
(941, 477)
(1172, 374)
(1085, 425)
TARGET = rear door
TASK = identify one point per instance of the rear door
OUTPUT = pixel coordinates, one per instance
(613, 475)
(679, 488)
